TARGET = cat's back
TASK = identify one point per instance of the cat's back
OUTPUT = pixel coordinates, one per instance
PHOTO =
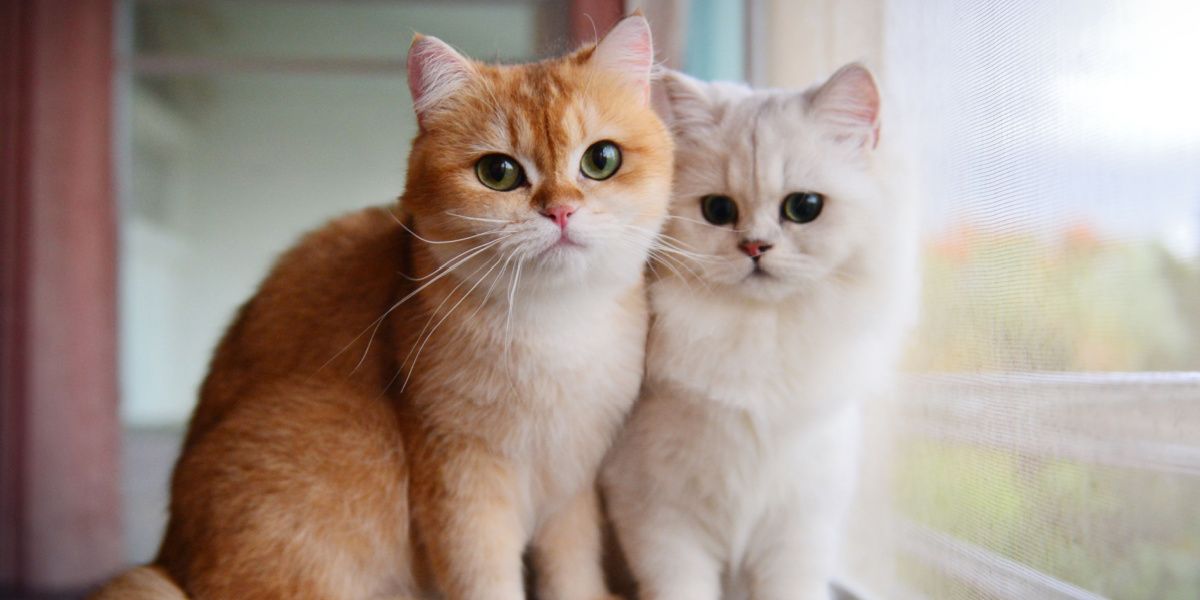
(313, 314)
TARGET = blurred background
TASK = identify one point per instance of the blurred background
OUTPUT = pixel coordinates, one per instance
(1045, 442)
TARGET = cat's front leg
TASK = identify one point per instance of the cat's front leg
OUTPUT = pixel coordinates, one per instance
(465, 510)
(567, 552)
(669, 559)
(795, 561)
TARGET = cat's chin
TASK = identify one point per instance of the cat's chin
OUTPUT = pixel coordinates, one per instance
(559, 266)
(563, 249)
(763, 287)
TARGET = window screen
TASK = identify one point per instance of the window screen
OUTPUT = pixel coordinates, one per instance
(1046, 442)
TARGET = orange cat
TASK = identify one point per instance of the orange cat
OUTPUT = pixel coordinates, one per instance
(415, 397)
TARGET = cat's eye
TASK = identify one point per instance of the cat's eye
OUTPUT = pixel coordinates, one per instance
(802, 207)
(718, 209)
(600, 160)
(499, 172)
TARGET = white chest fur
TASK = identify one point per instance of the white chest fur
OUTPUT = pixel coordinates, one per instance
(547, 388)
(786, 363)
(743, 447)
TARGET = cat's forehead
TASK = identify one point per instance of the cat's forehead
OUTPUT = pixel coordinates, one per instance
(756, 145)
(544, 108)
(757, 124)
(762, 109)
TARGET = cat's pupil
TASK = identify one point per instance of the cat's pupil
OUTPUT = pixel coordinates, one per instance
(499, 172)
(718, 209)
(599, 159)
(498, 169)
(802, 207)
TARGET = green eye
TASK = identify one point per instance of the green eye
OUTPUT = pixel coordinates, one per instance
(802, 207)
(601, 160)
(718, 209)
(499, 172)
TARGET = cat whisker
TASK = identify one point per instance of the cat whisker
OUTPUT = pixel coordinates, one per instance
(675, 250)
(675, 244)
(491, 288)
(657, 253)
(480, 219)
(668, 243)
(695, 221)
(705, 223)
(670, 261)
(379, 321)
(447, 264)
(480, 280)
(650, 265)
(496, 231)
(512, 297)
(499, 276)
(373, 327)
(662, 260)
(434, 312)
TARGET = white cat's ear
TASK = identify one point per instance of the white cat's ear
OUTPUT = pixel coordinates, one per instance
(848, 104)
(681, 100)
(435, 72)
(628, 51)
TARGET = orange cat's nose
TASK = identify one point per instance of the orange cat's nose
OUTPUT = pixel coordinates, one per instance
(558, 213)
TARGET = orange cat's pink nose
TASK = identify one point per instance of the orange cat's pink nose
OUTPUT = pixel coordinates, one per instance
(558, 213)
(754, 248)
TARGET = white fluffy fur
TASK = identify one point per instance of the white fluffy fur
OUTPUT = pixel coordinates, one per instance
(735, 470)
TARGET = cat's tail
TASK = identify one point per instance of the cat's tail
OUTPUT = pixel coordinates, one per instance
(141, 583)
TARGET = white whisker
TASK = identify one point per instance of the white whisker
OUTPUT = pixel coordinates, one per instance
(480, 219)
(705, 223)
(463, 239)
(417, 357)
(373, 327)
(448, 263)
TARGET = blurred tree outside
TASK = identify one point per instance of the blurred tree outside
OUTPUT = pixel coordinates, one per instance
(1016, 301)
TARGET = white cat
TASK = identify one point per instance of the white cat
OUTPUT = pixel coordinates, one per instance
(736, 468)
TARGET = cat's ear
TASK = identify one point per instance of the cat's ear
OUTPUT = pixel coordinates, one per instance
(848, 104)
(681, 100)
(435, 72)
(627, 50)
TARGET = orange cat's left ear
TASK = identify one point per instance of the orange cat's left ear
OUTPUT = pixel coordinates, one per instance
(627, 50)
(435, 72)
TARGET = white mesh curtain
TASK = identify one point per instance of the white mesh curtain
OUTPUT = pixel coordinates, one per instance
(1046, 442)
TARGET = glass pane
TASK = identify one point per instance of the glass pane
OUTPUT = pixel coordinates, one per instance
(1057, 147)
(1119, 532)
(1058, 144)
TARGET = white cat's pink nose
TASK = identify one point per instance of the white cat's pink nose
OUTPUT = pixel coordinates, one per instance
(754, 248)
(558, 213)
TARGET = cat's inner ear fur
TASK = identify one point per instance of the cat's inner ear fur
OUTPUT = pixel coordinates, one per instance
(627, 50)
(848, 105)
(435, 73)
(684, 102)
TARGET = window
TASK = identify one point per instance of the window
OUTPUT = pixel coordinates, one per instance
(1046, 442)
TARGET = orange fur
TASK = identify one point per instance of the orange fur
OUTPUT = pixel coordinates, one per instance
(325, 461)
